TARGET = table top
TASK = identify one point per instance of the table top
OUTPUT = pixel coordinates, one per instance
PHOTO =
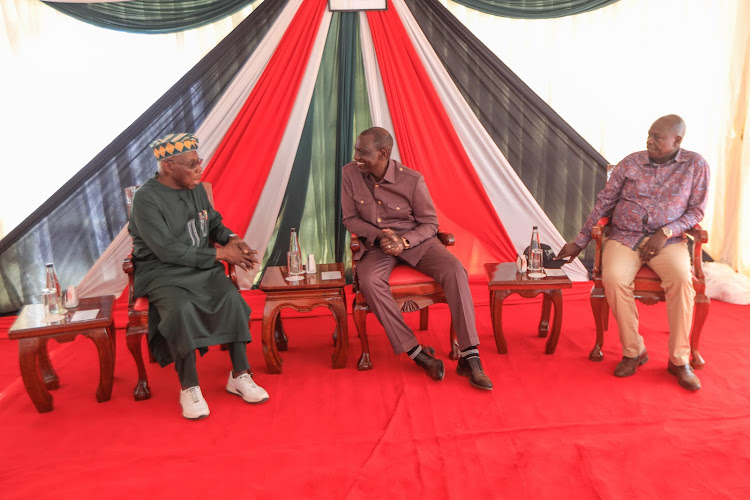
(505, 276)
(274, 279)
(30, 322)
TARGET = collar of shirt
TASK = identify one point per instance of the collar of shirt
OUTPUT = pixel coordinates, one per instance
(649, 163)
(390, 174)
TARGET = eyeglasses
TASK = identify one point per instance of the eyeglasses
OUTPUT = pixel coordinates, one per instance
(191, 164)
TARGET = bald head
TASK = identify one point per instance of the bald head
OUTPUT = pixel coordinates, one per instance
(664, 138)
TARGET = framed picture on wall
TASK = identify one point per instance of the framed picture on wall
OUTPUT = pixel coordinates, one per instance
(355, 5)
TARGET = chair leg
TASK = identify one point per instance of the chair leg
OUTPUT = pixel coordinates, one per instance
(424, 318)
(142, 390)
(455, 351)
(359, 313)
(701, 312)
(598, 307)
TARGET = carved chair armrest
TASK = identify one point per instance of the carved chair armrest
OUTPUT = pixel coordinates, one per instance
(129, 268)
(354, 244)
(597, 233)
(699, 236)
(446, 239)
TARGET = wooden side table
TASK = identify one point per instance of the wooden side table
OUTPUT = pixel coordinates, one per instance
(503, 280)
(33, 332)
(302, 296)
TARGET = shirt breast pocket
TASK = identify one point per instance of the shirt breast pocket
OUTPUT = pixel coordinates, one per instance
(398, 210)
(362, 201)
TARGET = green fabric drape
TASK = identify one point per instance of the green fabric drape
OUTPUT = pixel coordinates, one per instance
(534, 9)
(151, 16)
(339, 110)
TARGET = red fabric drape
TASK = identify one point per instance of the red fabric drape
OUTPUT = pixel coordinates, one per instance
(429, 143)
(243, 159)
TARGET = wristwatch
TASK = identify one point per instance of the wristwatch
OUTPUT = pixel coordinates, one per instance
(406, 242)
(667, 232)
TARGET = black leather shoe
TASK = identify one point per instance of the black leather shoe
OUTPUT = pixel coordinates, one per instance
(472, 368)
(627, 366)
(433, 367)
(685, 376)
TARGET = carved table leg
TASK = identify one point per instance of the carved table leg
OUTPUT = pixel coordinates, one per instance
(279, 335)
(338, 308)
(554, 297)
(31, 374)
(101, 338)
(271, 355)
(497, 320)
(544, 321)
(49, 375)
(113, 339)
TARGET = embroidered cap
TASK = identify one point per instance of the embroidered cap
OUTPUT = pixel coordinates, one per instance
(173, 145)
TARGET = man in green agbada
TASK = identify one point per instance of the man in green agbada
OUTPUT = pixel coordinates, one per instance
(192, 303)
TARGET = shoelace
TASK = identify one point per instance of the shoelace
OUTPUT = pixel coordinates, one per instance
(193, 392)
(246, 378)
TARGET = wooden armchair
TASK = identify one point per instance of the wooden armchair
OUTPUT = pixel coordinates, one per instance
(412, 290)
(648, 290)
(138, 308)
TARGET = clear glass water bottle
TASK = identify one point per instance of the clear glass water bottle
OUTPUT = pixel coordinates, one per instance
(53, 283)
(534, 265)
(294, 257)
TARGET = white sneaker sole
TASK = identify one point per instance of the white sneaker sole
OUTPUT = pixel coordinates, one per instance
(198, 417)
(238, 393)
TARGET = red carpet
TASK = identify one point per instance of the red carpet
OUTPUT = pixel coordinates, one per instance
(555, 426)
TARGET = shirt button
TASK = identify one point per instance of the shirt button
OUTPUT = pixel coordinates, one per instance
(361, 202)
(400, 169)
(379, 219)
(398, 208)
(380, 202)
(377, 185)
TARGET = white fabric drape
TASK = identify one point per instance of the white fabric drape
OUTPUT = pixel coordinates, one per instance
(612, 71)
(514, 204)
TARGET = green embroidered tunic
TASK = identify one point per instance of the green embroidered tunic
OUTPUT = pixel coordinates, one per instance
(192, 303)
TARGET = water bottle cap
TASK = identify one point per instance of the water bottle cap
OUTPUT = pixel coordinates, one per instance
(50, 264)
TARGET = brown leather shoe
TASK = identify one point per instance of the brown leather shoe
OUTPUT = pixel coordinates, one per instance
(627, 366)
(433, 367)
(472, 368)
(685, 376)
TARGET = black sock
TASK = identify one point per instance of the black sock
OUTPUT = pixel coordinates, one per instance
(414, 351)
(470, 352)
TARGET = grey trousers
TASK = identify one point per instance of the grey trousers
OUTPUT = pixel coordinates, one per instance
(373, 271)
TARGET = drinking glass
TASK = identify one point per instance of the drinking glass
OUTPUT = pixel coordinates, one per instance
(52, 305)
(294, 266)
(535, 263)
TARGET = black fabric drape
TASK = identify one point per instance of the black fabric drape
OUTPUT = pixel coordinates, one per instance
(151, 16)
(534, 9)
(561, 170)
(77, 223)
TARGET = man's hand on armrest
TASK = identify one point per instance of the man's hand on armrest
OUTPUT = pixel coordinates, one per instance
(239, 253)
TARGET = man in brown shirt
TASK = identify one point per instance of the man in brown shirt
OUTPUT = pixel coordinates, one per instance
(389, 207)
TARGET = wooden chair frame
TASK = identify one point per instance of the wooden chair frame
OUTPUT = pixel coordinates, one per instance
(409, 297)
(647, 289)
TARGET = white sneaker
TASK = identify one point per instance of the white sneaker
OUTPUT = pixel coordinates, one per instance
(193, 404)
(245, 386)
